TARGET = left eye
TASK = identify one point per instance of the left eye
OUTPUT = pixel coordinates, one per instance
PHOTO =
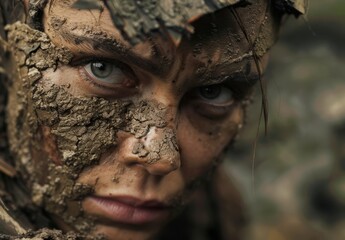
(217, 95)
(105, 72)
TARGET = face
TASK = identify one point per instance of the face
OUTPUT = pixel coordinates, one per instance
(117, 136)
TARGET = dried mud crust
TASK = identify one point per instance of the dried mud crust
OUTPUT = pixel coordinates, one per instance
(45, 234)
(72, 121)
(136, 19)
(83, 128)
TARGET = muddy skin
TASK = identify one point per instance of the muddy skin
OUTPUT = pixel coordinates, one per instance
(41, 125)
(176, 25)
(137, 18)
(172, 18)
(83, 128)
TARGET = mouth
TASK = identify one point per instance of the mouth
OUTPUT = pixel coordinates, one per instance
(127, 209)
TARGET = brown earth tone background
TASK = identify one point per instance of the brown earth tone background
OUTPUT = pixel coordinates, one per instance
(297, 190)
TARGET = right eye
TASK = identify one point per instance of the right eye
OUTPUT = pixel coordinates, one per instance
(215, 95)
(108, 74)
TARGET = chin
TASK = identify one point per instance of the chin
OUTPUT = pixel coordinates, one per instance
(126, 232)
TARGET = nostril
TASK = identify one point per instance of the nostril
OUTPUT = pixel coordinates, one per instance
(162, 168)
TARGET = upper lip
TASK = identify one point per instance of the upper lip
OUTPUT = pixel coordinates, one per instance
(136, 202)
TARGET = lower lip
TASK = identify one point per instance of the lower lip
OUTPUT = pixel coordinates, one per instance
(123, 213)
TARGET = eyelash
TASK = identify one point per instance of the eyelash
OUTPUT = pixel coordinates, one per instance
(80, 62)
(240, 92)
(239, 89)
(85, 77)
(103, 90)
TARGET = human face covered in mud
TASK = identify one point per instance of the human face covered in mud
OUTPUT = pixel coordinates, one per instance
(113, 136)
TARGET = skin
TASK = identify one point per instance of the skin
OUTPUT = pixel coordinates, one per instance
(198, 88)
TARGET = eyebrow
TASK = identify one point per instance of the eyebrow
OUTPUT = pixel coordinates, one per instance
(244, 75)
(103, 43)
(238, 77)
(111, 46)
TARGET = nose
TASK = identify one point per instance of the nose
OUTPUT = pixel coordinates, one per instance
(157, 151)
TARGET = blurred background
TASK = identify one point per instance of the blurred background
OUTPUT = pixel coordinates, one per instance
(297, 187)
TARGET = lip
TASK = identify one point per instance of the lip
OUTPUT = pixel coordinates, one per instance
(128, 210)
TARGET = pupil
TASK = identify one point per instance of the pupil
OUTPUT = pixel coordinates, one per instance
(210, 92)
(100, 66)
(101, 69)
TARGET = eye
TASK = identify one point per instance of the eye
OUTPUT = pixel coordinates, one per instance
(103, 70)
(108, 74)
(217, 95)
(213, 101)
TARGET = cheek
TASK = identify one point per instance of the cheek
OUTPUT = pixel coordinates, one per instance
(202, 141)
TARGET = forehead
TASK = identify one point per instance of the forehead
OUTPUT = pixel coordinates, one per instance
(216, 35)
